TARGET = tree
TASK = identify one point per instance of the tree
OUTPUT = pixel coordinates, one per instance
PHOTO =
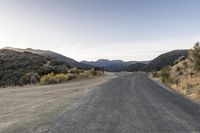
(195, 56)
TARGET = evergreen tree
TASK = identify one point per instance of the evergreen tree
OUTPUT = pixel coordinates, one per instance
(195, 56)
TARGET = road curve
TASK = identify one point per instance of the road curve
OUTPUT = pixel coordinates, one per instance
(127, 104)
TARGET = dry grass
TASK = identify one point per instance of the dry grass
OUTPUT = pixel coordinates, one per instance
(187, 80)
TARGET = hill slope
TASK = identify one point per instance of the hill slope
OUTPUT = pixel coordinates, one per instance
(15, 65)
(50, 54)
(183, 78)
(166, 59)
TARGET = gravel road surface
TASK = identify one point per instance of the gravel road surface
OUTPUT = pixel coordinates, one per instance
(130, 103)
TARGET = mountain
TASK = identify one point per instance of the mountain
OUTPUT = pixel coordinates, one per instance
(111, 65)
(108, 65)
(16, 66)
(166, 59)
(136, 67)
(50, 54)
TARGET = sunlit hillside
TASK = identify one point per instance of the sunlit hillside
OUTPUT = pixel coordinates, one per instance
(183, 76)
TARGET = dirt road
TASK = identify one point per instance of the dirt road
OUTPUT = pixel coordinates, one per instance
(22, 105)
(132, 103)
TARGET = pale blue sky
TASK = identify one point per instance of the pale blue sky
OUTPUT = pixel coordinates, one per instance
(92, 29)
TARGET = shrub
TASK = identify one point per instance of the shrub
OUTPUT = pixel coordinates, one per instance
(59, 78)
(75, 71)
(29, 78)
(71, 76)
(185, 64)
(165, 76)
(195, 56)
(155, 74)
(85, 74)
(47, 79)
(176, 62)
(54, 78)
(179, 60)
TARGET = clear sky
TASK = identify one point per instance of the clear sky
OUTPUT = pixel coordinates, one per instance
(93, 29)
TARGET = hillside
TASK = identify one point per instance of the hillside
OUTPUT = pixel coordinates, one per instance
(17, 66)
(166, 59)
(184, 75)
(50, 54)
(183, 78)
(112, 65)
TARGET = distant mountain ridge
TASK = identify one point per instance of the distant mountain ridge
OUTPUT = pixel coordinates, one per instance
(112, 65)
(51, 54)
(136, 67)
(158, 63)
(163, 60)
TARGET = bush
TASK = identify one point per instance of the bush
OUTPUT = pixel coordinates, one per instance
(71, 76)
(29, 78)
(75, 71)
(59, 78)
(165, 76)
(185, 64)
(155, 74)
(195, 56)
(85, 74)
(176, 62)
(47, 79)
(54, 78)
(179, 60)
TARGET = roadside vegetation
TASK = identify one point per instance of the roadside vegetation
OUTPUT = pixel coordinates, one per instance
(73, 74)
(184, 75)
(23, 68)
